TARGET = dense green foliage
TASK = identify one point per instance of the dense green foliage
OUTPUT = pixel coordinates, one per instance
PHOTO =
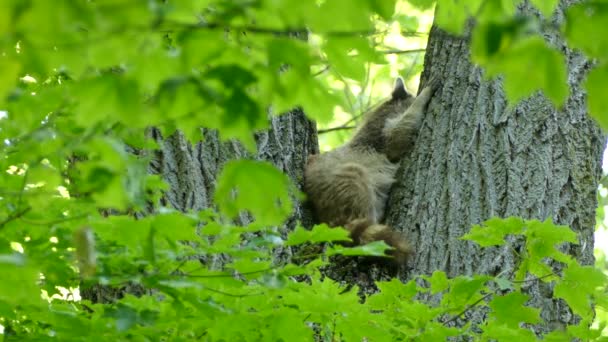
(82, 78)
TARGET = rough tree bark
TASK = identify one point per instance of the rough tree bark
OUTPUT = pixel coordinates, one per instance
(475, 159)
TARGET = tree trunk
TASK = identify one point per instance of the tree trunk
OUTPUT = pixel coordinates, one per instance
(475, 159)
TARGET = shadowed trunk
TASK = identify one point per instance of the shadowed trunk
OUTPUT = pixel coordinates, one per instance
(475, 159)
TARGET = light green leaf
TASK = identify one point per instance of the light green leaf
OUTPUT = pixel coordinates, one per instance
(597, 88)
(510, 310)
(503, 284)
(578, 286)
(248, 266)
(376, 248)
(451, 15)
(438, 281)
(527, 63)
(343, 60)
(422, 4)
(496, 331)
(546, 7)
(435, 331)
(585, 27)
(175, 226)
(464, 290)
(11, 69)
(391, 294)
(125, 230)
(319, 233)
(495, 231)
(557, 336)
(542, 238)
(257, 187)
(583, 331)
(108, 98)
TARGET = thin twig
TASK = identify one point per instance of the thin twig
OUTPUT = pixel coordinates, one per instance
(321, 71)
(533, 279)
(332, 129)
(402, 52)
(469, 307)
(14, 216)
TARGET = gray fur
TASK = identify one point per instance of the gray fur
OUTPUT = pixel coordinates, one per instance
(352, 182)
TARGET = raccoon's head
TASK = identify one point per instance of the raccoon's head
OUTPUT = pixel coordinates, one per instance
(399, 91)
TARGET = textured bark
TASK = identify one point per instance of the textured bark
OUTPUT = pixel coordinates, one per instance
(475, 159)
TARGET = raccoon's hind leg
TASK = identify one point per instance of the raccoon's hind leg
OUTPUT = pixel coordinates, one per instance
(364, 231)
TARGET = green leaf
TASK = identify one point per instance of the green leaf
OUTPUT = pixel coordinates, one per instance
(597, 87)
(578, 287)
(558, 336)
(19, 282)
(343, 60)
(376, 248)
(510, 310)
(495, 231)
(542, 238)
(434, 331)
(288, 325)
(422, 4)
(585, 27)
(125, 230)
(503, 284)
(107, 99)
(11, 69)
(257, 187)
(391, 293)
(464, 290)
(355, 15)
(319, 233)
(546, 7)
(496, 331)
(438, 281)
(583, 331)
(384, 8)
(175, 226)
(451, 15)
(528, 64)
(248, 266)
(234, 110)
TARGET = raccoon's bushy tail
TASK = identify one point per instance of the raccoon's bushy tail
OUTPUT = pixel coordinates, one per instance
(364, 231)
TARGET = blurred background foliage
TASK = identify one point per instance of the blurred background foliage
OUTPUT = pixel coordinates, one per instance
(401, 44)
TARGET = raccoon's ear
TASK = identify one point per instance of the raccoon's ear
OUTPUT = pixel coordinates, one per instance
(399, 92)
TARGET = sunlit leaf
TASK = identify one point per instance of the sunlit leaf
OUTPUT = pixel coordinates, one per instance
(257, 187)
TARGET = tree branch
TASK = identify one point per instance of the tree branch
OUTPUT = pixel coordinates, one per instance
(401, 52)
(14, 216)
(338, 128)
